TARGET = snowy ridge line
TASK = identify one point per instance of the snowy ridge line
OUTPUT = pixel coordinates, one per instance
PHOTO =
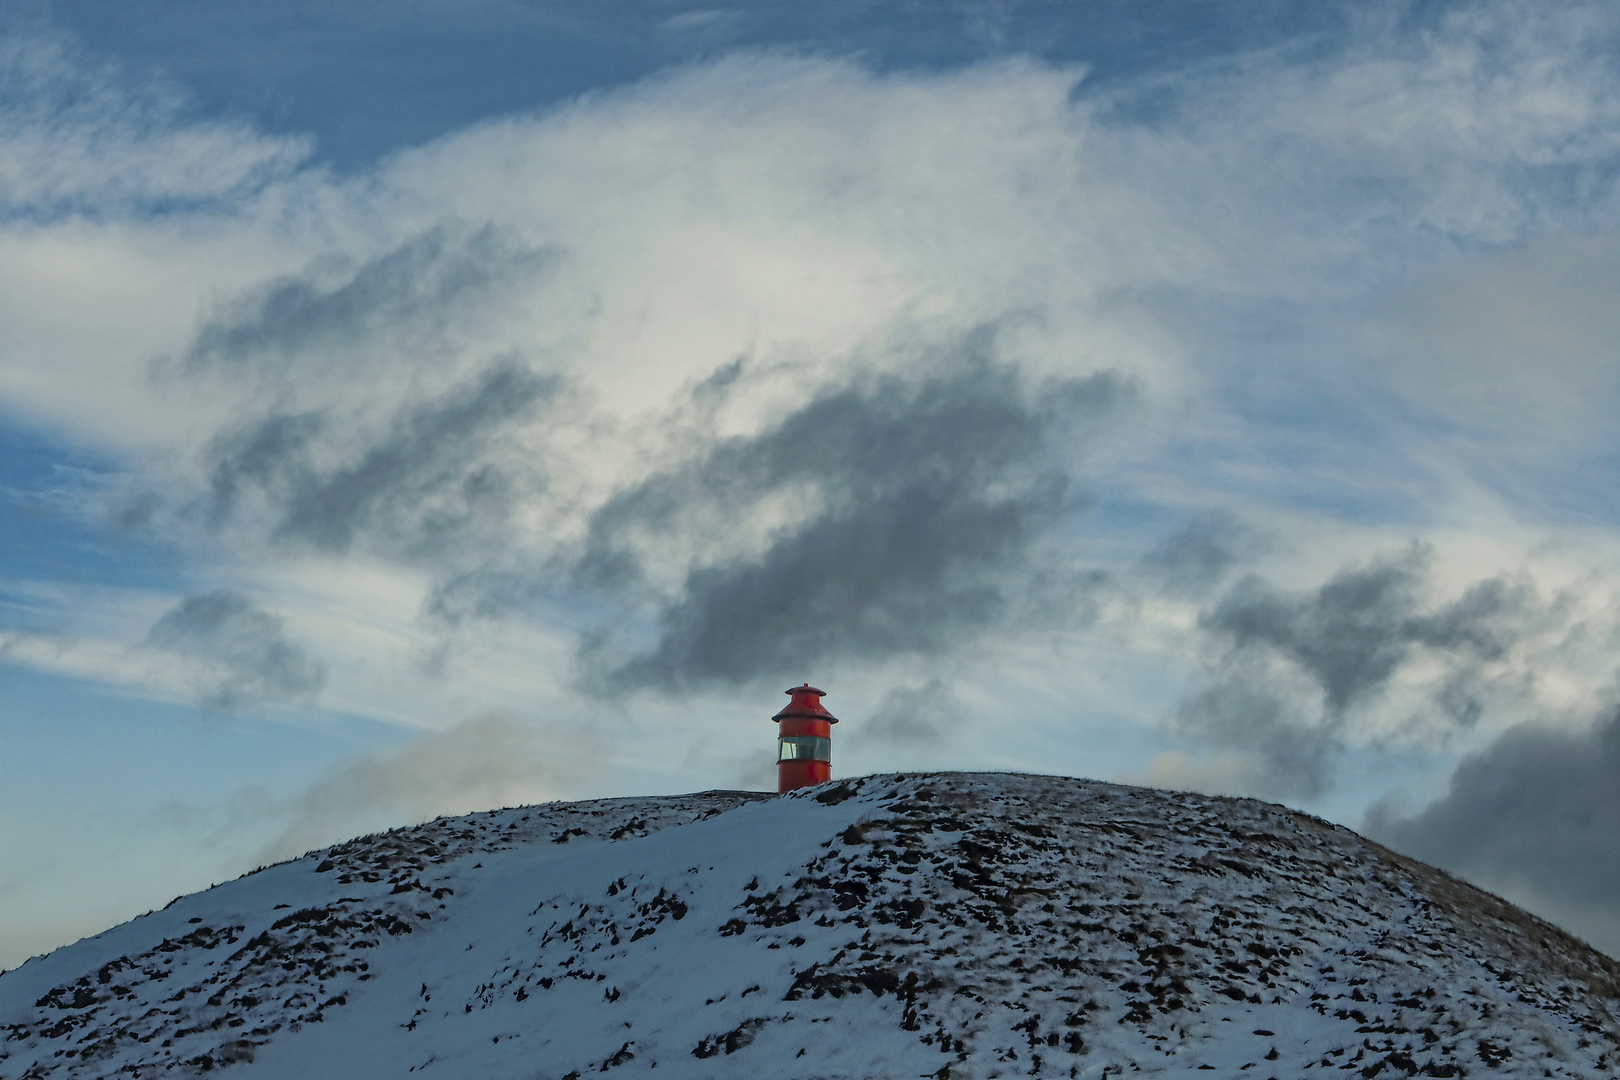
(945, 925)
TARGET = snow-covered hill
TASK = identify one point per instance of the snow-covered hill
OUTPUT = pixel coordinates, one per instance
(947, 925)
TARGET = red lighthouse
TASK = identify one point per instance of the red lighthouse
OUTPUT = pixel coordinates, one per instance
(804, 740)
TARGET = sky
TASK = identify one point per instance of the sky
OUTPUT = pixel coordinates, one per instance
(421, 407)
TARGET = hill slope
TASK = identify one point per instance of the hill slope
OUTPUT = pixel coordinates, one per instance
(949, 925)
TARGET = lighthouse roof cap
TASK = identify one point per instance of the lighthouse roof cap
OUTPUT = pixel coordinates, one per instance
(806, 702)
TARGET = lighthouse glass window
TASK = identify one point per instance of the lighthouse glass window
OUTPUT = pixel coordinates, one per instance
(803, 748)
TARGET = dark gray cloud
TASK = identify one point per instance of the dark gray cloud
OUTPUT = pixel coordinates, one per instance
(378, 412)
(1193, 559)
(486, 592)
(428, 478)
(915, 716)
(417, 290)
(1349, 635)
(1292, 666)
(915, 502)
(260, 456)
(1352, 634)
(1536, 816)
(244, 651)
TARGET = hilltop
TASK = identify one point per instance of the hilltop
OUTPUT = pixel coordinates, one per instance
(945, 925)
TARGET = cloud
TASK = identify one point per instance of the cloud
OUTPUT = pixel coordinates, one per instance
(1295, 669)
(427, 478)
(488, 761)
(1350, 636)
(482, 361)
(925, 716)
(1194, 558)
(906, 510)
(1511, 354)
(1535, 816)
(79, 137)
(379, 403)
(414, 296)
(1353, 633)
(243, 653)
(1460, 124)
(1262, 712)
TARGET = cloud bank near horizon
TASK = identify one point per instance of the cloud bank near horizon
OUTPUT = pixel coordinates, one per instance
(1535, 817)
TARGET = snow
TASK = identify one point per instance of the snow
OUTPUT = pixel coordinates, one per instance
(948, 925)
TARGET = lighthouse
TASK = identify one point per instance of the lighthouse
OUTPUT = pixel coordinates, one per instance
(804, 740)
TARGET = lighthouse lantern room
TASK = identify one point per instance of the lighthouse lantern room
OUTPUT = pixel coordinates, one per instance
(804, 740)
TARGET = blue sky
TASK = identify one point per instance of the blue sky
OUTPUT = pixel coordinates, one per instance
(409, 408)
(366, 78)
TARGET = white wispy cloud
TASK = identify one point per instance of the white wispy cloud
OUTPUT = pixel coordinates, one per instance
(77, 136)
